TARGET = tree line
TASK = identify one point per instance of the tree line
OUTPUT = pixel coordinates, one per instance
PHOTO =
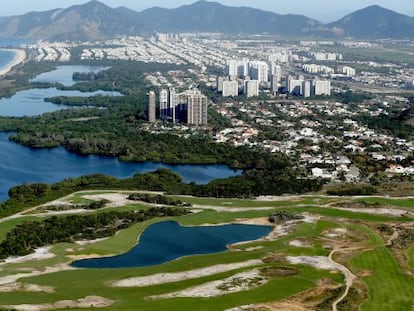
(26, 237)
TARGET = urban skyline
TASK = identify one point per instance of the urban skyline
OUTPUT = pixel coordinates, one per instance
(319, 9)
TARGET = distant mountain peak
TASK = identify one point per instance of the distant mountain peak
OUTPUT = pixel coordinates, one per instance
(95, 20)
(375, 22)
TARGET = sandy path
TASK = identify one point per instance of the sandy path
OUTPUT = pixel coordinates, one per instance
(349, 276)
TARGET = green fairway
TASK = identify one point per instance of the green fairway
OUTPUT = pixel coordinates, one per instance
(388, 287)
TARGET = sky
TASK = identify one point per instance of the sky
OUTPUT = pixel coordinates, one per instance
(324, 10)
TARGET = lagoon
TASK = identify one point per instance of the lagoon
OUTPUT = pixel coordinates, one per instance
(19, 164)
(31, 102)
(165, 241)
(63, 74)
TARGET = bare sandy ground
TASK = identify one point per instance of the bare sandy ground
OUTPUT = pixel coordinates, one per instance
(115, 199)
(83, 303)
(162, 278)
(40, 254)
(86, 242)
(14, 277)
(298, 243)
(25, 287)
(19, 58)
(232, 209)
(239, 282)
(319, 262)
(376, 211)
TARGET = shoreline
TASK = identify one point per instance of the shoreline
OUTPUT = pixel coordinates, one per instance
(20, 57)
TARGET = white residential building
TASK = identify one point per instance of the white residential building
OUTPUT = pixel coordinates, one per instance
(163, 112)
(251, 88)
(230, 88)
(349, 71)
(306, 89)
(294, 86)
(321, 87)
(259, 71)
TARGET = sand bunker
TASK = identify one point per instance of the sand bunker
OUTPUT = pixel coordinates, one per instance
(162, 278)
(239, 282)
(25, 287)
(40, 254)
(319, 262)
(84, 303)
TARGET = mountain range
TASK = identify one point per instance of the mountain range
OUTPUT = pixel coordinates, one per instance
(95, 21)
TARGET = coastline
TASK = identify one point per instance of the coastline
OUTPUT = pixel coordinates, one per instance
(20, 56)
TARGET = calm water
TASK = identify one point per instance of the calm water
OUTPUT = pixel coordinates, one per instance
(19, 164)
(31, 102)
(6, 56)
(165, 241)
(63, 74)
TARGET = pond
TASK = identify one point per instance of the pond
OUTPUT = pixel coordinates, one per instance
(165, 241)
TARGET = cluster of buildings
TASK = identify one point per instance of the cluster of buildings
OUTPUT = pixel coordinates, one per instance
(300, 87)
(248, 77)
(189, 107)
(52, 52)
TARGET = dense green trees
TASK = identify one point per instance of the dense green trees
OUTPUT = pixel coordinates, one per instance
(28, 236)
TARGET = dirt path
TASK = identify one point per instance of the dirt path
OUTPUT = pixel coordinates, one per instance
(392, 237)
(349, 276)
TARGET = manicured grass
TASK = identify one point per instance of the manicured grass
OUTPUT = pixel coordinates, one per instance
(69, 286)
(410, 257)
(253, 203)
(389, 288)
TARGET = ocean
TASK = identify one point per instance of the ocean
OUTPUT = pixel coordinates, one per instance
(6, 56)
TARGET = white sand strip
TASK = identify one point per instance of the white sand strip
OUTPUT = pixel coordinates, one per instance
(162, 278)
(84, 303)
(19, 58)
(39, 254)
(237, 283)
(14, 277)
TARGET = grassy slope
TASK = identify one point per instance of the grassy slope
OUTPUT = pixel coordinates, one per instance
(72, 284)
(69, 287)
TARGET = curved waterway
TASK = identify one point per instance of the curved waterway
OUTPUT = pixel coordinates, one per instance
(165, 241)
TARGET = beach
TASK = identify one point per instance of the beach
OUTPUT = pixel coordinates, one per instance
(19, 58)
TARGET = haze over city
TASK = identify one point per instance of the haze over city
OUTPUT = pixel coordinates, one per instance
(323, 10)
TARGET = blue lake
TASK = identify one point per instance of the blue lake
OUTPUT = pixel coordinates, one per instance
(19, 164)
(165, 241)
(63, 74)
